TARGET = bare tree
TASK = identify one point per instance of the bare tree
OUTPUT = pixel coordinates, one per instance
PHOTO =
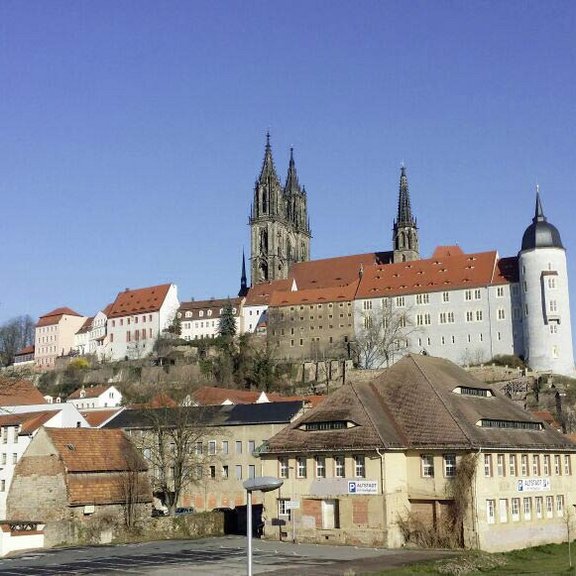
(173, 443)
(382, 335)
(133, 485)
(15, 334)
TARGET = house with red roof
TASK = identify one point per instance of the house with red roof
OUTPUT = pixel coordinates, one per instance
(137, 317)
(54, 336)
(201, 318)
(78, 476)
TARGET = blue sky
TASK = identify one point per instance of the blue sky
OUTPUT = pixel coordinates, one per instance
(131, 133)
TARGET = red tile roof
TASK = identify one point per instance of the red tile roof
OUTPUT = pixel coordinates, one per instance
(139, 301)
(259, 294)
(55, 316)
(25, 351)
(19, 392)
(315, 296)
(94, 449)
(331, 272)
(448, 269)
(96, 418)
(29, 421)
(86, 326)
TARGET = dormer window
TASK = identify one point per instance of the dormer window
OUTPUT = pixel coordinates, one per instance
(201, 313)
(188, 314)
(327, 425)
(515, 424)
(473, 391)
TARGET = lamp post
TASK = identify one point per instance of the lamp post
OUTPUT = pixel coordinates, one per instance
(262, 484)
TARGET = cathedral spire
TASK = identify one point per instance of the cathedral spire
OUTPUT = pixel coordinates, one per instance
(268, 172)
(243, 280)
(404, 208)
(292, 185)
(405, 231)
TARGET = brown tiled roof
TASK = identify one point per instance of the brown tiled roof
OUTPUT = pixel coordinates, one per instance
(96, 418)
(214, 305)
(139, 301)
(86, 326)
(90, 392)
(332, 272)
(315, 295)
(55, 316)
(259, 294)
(448, 269)
(412, 405)
(19, 392)
(103, 489)
(94, 450)
(29, 421)
(211, 395)
(25, 351)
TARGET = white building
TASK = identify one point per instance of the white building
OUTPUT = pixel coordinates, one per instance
(201, 318)
(98, 338)
(96, 397)
(136, 319)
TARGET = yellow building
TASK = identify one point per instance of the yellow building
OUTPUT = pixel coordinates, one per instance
(423, 452)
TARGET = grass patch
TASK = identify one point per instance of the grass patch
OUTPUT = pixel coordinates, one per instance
(550, 560)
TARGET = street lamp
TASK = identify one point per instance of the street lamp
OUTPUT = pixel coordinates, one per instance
(262, 484)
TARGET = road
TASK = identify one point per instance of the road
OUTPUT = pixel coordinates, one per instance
(222, 556)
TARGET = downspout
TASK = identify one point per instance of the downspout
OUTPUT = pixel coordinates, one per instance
(382, 492)
(475, 520)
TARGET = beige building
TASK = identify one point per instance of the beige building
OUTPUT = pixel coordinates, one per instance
(377, 462)
(55, 336)
(223, 440)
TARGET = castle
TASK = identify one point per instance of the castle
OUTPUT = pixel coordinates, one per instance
(380, 306)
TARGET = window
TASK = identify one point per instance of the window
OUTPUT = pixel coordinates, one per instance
(512, 464)
(251, 471)
(359, 466)
(212, 447)
(524, 461)
(251, 446)
(478, 315)
(320, 462)
(427, 465)
(14, 458)
(549, 506)
(283, 467)
(198, 448)
(503, 507)
(238, 471)
(559, 505)
(469, 316)
(552, 282)
(2, 485)
(515, 509)
(500, 291)
(468, 295)
(557, 467)
(487, 465)
(400, 301)
(535, 465)
(339, 470)
(212, 471)
(282, 507)
(527, 508)
(477, 294)
(449, 465)
(445, 296)
(539, 506)
(501, 314)
(301, 467)
(491, 511)
(546, 464)
(567, 467)
(422, 299)
(500, 465)
(225, 471)
(238, 446)
(224, 446)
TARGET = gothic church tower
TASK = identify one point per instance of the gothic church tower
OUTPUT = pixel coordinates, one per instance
(279, 225)
(405, 231)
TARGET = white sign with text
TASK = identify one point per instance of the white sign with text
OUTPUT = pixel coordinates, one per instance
(533, 485)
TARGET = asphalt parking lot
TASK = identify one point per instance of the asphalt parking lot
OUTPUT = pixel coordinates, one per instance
(222, 556)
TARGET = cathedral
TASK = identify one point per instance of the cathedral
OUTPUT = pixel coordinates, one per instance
(280, 229)
(468, 308)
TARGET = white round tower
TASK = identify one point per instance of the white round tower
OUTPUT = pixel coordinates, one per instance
(545, 298)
